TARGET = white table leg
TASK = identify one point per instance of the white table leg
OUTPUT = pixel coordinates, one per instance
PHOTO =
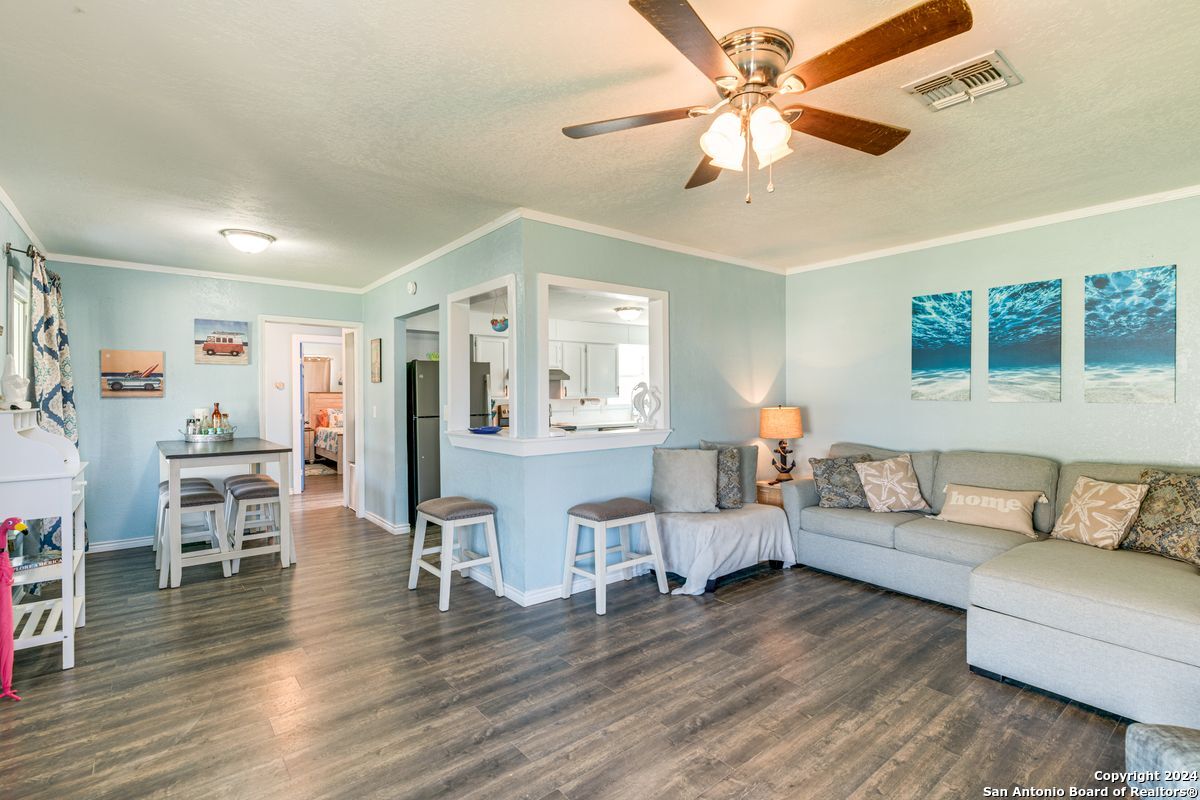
(285, 509)
(175, 523)
(67, 533)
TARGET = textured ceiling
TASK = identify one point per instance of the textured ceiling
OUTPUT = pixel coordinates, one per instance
(364, 135)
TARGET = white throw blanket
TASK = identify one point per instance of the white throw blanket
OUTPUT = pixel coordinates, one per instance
(701, 547)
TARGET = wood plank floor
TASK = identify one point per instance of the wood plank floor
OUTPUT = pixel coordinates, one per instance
(331, 679)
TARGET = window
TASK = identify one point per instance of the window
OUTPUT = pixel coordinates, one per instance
(482, 381)
(18, 333)
(601, 348)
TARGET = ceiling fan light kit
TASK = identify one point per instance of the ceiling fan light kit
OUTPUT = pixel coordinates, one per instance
(749, 70)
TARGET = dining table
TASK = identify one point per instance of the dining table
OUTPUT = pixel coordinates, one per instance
(241, 451)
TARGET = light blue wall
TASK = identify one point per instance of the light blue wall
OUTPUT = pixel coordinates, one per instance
(727, 360)
(848, 344)
(134, 310)
(727, 357)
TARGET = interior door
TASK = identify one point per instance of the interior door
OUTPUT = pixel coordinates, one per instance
(493, 351)
(349, 406)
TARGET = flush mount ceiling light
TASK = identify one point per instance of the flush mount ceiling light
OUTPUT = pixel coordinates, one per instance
(759, 94)
(629, 313)
(247, 241)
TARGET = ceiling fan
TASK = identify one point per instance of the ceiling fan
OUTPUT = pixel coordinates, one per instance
(759, 105)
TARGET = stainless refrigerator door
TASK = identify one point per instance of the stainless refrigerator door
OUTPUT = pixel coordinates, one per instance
(428, 459)
(427, 402)
(480, 402)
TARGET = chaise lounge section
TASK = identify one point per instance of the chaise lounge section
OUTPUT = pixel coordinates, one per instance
(1115, 629)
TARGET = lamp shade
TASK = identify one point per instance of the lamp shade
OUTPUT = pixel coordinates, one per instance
(780, 422)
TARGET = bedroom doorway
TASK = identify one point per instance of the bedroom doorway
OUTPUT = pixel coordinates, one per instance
(332, 375)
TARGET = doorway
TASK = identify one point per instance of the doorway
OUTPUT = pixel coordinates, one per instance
(321, 417)
(311, 400)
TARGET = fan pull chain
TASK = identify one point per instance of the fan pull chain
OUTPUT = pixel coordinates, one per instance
(747, 157)
(770, 178)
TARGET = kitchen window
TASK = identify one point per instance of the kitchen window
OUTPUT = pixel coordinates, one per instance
(603, 363)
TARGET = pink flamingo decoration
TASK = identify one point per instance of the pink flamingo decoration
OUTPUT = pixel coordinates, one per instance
(6, 608)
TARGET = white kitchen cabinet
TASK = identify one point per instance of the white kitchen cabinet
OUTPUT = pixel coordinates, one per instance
(493, 350)
(555, 359)
(572, 362)
(601, 369)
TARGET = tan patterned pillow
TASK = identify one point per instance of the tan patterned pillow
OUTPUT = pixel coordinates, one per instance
(991, 508)
(891, 485)
(1099, 513)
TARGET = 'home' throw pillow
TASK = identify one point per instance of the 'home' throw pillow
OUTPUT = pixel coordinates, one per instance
(684, 480)
(991, 508)
(1098, 513)
(837, 482)
(891, 484)
(1169, 521)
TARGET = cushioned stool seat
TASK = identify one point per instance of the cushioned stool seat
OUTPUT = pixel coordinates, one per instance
(239, 480)
(611, 509)
(254, 490)
(200, 497)
(455, 508)
(188, 483)
(1154, 751)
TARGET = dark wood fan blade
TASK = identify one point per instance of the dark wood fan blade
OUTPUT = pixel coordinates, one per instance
(920, 26)
(875, 138)
(625, 123)
(705, 173)
(678, 22)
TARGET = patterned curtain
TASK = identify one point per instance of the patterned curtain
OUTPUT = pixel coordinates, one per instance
(53, 380)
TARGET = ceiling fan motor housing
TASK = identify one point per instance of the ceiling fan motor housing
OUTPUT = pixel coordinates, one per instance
(760, 53)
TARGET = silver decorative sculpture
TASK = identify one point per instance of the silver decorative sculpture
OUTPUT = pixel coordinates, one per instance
(647, 400)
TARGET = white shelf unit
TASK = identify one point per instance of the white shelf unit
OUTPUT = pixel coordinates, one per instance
(42, 477)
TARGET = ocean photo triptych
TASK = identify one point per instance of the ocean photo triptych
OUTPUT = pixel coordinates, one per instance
(1129, 340)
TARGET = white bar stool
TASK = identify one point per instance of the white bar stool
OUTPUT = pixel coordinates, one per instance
(163, 493)
(601, 517)
(252, 502)
(194, 499)
(455, 514)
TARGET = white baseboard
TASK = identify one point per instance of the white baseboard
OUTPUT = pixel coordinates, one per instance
(109, 545)
(379, 521)
(546, 593)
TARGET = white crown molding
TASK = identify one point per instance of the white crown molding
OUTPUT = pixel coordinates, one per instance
(450, 247)
(660, 244)
(196, 273)
(1008, 227)
(15, 212)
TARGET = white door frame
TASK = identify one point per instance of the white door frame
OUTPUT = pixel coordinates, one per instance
(298, 340)
(359, 393)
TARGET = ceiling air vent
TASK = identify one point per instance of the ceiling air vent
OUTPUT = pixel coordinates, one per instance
(966, 81)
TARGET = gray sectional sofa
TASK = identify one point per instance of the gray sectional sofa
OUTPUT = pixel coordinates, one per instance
(1117, 630)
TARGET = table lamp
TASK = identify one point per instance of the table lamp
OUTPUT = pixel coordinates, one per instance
(782, 423)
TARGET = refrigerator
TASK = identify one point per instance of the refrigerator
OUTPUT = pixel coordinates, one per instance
(425, 428)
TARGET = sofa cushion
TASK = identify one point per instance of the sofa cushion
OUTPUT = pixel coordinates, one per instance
(1135, 600)
(1102, 471)
(838, 483)
(999, 471)
(855, 524)
(924, 461)
(955, 542)
(891, 484)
